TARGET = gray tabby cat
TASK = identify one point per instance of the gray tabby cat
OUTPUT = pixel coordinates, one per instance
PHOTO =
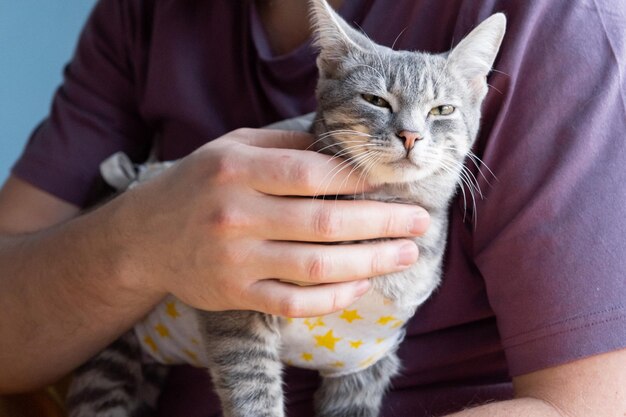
(407, 121)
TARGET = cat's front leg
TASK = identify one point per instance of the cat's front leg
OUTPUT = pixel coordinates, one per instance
(242, 349)
(357, 394)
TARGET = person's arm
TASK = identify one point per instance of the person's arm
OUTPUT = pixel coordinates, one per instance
(217, 230)
(594, 386)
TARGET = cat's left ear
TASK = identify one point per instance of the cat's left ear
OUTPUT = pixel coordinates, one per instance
(473, 57)
(335, 38)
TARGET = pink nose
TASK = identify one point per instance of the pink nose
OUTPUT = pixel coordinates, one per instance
(409, 138)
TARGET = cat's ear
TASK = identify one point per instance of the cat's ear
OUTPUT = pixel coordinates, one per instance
(336, 39)
(475, 54)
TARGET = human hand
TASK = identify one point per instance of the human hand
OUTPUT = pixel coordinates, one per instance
(221, 228)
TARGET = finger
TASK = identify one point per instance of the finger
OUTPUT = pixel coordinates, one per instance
(288, 300)
(310, 220)
(271, 138)
(309, 263)
(301, 173)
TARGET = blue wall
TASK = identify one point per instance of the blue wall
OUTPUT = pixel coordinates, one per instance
(37, 38)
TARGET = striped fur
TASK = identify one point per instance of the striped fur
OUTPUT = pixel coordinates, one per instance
(116, 383)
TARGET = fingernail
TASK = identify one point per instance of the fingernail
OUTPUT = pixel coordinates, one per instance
(419, 222)
(407, 254)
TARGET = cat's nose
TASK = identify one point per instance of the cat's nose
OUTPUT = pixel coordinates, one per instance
(409, 138)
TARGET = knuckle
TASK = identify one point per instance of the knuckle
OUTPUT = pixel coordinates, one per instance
(301, 174)
(318, 268)
(327, 223)
(390, 225)
(335, 303)
(376, 263)
(226, 219)
(225, 168)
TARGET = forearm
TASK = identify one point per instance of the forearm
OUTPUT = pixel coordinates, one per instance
(65, 292)
(519, 407)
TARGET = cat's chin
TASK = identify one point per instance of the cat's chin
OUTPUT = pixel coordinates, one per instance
(396, 173)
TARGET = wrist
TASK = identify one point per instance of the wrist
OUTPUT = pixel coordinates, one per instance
(117, 238)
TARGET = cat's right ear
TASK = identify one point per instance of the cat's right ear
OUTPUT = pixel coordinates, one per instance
(336, 40)
(475, 54)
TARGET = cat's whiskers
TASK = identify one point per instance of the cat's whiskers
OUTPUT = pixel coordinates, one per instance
(335, 132)
(356, 163)
(336, 170)
(456, 168)
(344, 131)
(479, 164)
(494, 88)
(350, 150)
(366, 172)
(471, 178)
(338, 144)
(398, 37)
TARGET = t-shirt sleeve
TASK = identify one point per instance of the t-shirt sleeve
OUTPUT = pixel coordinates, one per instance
(550, 237)
(94, 112)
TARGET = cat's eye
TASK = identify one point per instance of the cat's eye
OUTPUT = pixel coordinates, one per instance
(376, 101)
(444, 110)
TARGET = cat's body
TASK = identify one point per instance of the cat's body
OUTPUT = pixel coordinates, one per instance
(407, 121)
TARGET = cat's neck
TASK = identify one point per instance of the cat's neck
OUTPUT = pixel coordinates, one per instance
(286, 22)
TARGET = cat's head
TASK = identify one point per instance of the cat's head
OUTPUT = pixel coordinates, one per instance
(400, 116)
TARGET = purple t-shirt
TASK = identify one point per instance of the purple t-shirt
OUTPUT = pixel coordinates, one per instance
(538, 280)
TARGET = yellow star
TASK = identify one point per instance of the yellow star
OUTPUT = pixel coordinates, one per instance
(191, 354)
(307, 356)
(162, 330)
(350, 315)
(397, 324)
(367, 362)
(328, 341)
(385, 319)
(150, 342)
(170, 309)
(338, 364)
(380, 340)
(356, 344)
(313, 324)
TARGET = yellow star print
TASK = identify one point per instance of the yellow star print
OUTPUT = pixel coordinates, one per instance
(350, 315)
(162, 330)
(356, 343)
(313, 324)
(397, 324)
(150, 342)
(191, 354)
(338, 364)
(367, 362)
(170, 309)
(328, 341)
(307, 356)
(385, 320)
